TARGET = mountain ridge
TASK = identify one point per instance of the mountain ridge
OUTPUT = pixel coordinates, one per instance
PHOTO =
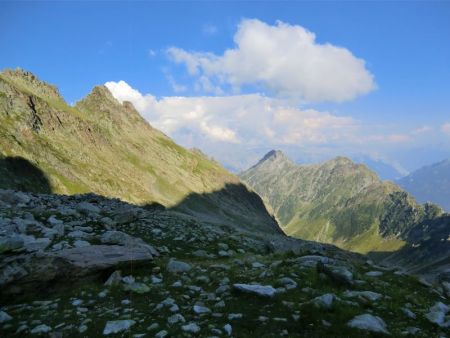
(101, 145)
(336, 200)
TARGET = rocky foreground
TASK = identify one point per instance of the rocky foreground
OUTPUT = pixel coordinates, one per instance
(88, 266)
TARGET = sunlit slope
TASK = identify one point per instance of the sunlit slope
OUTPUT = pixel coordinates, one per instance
(337, 202)
(106, 147)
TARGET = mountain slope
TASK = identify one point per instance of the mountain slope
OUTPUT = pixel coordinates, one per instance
(337, 202)
(106, 147)
(430, 184)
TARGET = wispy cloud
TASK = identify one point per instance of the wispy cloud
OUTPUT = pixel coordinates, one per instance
(446, 128)
(209, 29)
(422, 130)
(176, 87)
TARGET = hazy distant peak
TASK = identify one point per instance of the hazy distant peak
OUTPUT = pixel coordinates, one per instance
(430, 183)
(274, 155)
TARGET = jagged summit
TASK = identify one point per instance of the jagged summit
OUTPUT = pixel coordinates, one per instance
(28, 80)
(103, 105)
(99, 95)
(273, 157)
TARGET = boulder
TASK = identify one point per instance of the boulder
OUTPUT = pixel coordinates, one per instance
(10, 243)
(137, 287)
(198, 309)
(338, 274)
(191, 328)
(14, 197)
(116, 326)
(175, 266)
(114, 279)
(121, 238)
(437, 313)
(367, 295)
(287, 282)
(325, 301)
(41, 268)
(87, 208)
(259, 290)
(4, 317)
(368, 322)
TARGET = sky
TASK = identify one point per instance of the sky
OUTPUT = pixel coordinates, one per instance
(368, 79)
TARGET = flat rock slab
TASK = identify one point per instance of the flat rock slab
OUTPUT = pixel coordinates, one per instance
(31, 271)
(368, 322)
(98, 257)
(260, 290)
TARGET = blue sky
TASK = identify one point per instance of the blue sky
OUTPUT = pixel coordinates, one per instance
(405, 46)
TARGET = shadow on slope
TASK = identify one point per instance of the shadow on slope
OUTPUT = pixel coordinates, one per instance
(18, 173)
(427, 248)
(234, 205)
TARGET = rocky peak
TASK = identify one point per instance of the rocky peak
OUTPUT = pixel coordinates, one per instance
(274, 156)
(102, 103)
(31, 82)
(100, 95)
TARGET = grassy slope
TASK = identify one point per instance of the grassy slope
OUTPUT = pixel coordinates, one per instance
(104, 147)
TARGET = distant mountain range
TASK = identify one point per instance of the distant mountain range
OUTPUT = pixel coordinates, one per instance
(344, 203)
(430, 183)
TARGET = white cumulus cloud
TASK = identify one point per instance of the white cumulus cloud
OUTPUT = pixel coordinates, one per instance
(238, 122)
(283, 59)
